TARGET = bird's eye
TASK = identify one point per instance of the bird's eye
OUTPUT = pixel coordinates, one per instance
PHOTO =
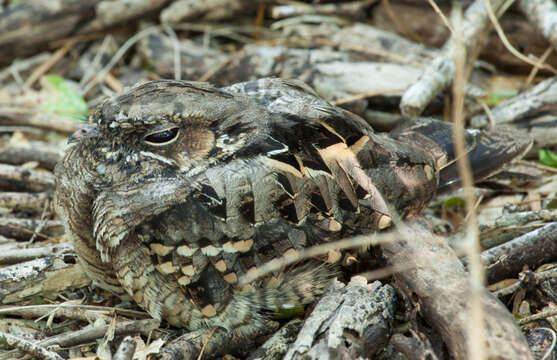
(162, 137)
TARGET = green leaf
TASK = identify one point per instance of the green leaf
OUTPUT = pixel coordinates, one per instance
(61, 98)
(552, 204)
(454, 202)
(496, 97)
(285, 314)
(547, 157)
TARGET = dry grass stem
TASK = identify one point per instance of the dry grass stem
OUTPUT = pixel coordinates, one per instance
(539, 65)
(441, 15)
(350, 243)
(476, 332)
(508, 45)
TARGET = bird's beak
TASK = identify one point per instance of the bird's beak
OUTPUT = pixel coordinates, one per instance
(87, 131)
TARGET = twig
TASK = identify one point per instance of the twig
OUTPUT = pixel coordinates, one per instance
(532, 249)
(32, 117)
(127, 45)
(90, 71)
(364, 96)
(443, 291)
(176, 48)
(211, 332)
(46, 154)
(18, 173)
(25, 228)
(87, 335)
(126, 349)
(526, 278)
(543, 15)
(441, 15)
(538, 316)
(353, 9)
(506, 42)
(535, 69)
(14, 256)
(70, 311)
(440, 72)
(50, 62)
(209, 74)
(523, 106)
(23, 201)
(354, 242)
(24, 65)
(42, 223)
(29, 348)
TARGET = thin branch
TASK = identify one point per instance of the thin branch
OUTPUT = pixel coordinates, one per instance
(508, 45)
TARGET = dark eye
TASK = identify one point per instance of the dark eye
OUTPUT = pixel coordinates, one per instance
(162, 137)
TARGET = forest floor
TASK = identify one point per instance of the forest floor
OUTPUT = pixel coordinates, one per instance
(381, 59)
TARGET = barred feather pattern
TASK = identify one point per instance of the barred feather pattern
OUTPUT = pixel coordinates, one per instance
(177, 189)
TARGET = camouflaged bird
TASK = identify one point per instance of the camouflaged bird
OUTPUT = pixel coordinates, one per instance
(177, 189)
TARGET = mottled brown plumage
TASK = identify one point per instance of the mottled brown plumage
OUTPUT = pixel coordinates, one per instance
(176, 189)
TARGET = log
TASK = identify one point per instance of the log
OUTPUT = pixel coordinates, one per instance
(433, 272)
(533, 249)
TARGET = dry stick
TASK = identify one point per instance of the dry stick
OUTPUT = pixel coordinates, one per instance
(365, 95)
(127, 45)
(476, 331)
(536, 68)
(70, 311)
(206, 343)
(353, 242)
(538, 316)
(23, 201)
(526, 277)
(90, 71)
(16, 256)
(364, 50)
(440, 72)
(44, 153)
(488, 113)
(19, 66)
(209, 74)
(90, 334)
(276, 346)
(290, 9)
(113, 82)
(18, 173)
(176, 48)
(50, 62)
(22, 116)
(533, 249)
(39, 228)
(126, 349)
(538, 166)
(29, 348)
(506, 42)
(259, 21)
(441, 15)
(523, 105)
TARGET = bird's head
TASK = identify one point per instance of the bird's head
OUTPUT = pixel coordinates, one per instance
(165, 128)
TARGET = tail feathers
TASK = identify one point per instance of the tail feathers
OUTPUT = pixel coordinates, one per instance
(299, 286)
(488, 150)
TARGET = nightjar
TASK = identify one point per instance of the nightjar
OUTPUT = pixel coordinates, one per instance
(176, 189)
